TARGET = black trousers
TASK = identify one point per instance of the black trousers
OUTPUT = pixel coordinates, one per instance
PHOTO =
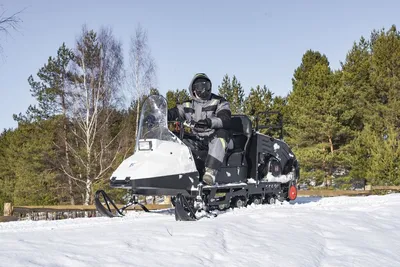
(213, 148)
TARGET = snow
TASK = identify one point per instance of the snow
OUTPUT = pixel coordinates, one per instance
(281, 178)
(251, 181)
(276, 147)
(339, 231)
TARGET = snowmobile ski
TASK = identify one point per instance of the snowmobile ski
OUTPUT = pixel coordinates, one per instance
(107, 200)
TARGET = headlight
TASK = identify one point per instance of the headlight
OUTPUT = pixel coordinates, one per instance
(145, 145)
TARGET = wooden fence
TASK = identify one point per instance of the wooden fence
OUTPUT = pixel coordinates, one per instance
(78, 211)
(58, 212)
(368, 190)
(332, 193)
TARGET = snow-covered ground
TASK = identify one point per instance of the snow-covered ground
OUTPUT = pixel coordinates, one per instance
(339, 231)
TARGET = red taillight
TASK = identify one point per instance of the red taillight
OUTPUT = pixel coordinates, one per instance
(292, 192)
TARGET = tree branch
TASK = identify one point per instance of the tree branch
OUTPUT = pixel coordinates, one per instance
(70, 176)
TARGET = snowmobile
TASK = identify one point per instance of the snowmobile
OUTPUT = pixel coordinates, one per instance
(257, 169)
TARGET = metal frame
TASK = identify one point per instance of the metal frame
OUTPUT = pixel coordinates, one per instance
(270, 126)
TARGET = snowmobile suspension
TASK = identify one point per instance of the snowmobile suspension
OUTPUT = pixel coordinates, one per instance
(186, 210)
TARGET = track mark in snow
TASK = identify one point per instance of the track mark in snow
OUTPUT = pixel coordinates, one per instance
(220, 233)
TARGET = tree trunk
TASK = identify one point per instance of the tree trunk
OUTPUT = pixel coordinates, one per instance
(325, 182)
(65, 122)
(88, 188)
(137, 118)
(330, 167)
(331, 144)
(88, 191)
(71, 192)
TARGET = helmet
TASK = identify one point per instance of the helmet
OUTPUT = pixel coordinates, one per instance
(201, 88)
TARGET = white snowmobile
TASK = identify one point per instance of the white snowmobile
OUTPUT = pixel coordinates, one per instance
(258, 169)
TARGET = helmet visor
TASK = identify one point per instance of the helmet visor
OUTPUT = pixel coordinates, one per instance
(202, 89)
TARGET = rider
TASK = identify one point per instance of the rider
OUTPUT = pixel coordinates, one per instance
(210, 114)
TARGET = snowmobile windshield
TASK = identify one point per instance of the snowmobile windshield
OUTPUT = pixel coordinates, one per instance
(153, 122)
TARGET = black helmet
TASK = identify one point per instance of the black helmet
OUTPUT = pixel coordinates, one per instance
(201, 86)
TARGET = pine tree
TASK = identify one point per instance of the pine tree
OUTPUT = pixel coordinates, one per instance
(7, 174)
(357, 86)
(183, 96)
(377, 156)
(54, 99)
(154, 91)
(51, 92)
(357, 91)
(176, 97)
(257, 103)
(233, 92)
(278, 118)
(225, 89)
(278, 104)
(385, 76)
(237, 98)
(315, 127)
(32, 153)
(372, 74)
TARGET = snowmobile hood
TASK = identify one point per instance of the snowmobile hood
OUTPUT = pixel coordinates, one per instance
(196, 76)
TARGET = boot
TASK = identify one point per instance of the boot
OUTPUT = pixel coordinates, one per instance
(209, 176)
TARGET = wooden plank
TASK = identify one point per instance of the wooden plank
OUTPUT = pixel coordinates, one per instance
(376, 187)
(332, 193)
(8, 218)
(66, 208)
(8, 209)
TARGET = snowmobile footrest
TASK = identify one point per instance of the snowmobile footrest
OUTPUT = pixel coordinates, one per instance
(183, 210)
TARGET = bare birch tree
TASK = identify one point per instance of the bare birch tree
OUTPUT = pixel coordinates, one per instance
(98, 73)
(142, 68)
(8, 23)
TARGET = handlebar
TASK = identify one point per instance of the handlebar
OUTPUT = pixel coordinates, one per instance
(180, 128)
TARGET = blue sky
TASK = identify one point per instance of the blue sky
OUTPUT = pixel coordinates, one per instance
(261, 42)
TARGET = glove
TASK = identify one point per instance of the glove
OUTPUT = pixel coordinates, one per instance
(203, 124)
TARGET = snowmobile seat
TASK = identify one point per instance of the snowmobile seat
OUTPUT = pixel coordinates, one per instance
(240, 132)
(235, 168)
